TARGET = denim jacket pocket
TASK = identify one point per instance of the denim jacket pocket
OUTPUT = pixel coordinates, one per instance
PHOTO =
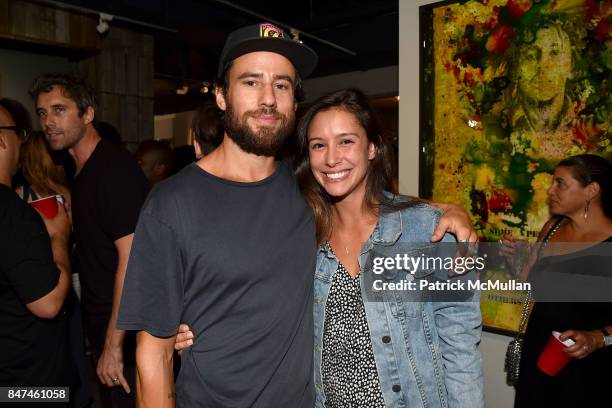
(392, 289)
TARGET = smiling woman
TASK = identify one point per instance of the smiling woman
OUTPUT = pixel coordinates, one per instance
(339, 152)
(344, 171)
(353, 120)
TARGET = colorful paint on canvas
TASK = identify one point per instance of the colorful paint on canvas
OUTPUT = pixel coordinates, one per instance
(519, 85)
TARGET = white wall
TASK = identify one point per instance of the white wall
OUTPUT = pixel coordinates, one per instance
(18, 69)
(174, 127)
(163, 127)
(493, 346)
(493, 349)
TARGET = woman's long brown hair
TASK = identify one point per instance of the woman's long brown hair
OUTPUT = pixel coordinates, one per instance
(38, 168)
(380, 170)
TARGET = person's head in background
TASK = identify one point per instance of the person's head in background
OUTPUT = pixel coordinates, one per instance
(66, 107)
(155, 160)
(581, 187)
(207, 127)
(15, 125)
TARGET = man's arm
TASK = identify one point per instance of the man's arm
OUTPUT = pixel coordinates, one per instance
(110, 364)
(456, 221)
(154, 375)
(48, 306)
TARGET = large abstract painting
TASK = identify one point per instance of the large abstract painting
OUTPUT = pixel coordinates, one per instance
(509, 88)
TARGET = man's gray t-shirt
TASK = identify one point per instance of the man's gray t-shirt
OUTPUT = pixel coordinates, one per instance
(235, 261)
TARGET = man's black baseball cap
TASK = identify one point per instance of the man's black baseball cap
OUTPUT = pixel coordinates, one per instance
(267, 37)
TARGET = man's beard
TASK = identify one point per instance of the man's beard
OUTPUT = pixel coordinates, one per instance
(266, 141)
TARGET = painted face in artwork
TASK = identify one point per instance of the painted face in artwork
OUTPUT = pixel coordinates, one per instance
(545, 65)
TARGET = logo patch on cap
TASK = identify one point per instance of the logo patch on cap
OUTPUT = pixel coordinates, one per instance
(270, 30)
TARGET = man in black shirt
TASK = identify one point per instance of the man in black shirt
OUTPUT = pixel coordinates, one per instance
(107, 193)
(228, 245)
(34, 279)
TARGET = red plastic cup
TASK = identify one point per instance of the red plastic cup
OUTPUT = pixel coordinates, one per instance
(554, 357)
(47, 206)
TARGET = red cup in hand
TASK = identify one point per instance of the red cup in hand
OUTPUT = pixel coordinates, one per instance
(48, 205)
(554, 357)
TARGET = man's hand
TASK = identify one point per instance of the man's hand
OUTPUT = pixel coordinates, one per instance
(110, 368)
(110, 364)
(456, 221)
(184, 338)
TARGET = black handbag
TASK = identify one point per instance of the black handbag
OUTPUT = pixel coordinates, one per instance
(512, 362)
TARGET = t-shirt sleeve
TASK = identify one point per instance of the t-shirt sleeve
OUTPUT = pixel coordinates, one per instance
(125, 191)
(152, 297)
(33, 273)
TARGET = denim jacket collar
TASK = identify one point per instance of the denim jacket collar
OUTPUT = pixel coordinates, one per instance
(387, 231)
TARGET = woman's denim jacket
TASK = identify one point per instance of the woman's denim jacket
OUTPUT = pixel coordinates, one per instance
(426, 352)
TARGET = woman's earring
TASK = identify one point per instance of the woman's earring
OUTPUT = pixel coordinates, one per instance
(586, 210)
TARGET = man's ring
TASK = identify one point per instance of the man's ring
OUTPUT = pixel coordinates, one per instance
(463, 240)
(116, 380)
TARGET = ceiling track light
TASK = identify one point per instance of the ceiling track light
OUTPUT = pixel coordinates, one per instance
(103, 26)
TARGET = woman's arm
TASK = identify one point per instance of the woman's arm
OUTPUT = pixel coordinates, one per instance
(511, 249)
(459, 326)
(587, 341)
